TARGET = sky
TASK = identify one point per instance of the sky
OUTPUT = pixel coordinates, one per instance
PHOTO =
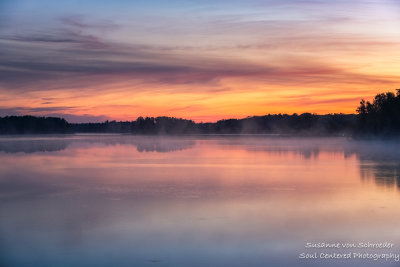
(204, 60)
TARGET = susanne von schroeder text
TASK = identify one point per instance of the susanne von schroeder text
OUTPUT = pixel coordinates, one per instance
(350, 245)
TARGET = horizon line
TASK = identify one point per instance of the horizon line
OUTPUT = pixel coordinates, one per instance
(173, 117)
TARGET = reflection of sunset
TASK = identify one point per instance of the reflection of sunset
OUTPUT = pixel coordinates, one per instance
(192, 198)
(261, 164)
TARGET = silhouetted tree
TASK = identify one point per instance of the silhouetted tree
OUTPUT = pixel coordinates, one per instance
(303, 124)
(381, 117)
(32, 125)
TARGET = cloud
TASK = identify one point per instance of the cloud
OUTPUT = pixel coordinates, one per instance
(77, 54)
(199, 57)
(81, 22)
(190, 108)
(310, 101)
(45, 38)
(9, 112)
(27, 110)
(25, 66)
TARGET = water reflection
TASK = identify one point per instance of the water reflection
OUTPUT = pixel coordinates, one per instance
(32, 145)
(52, 143)
(209, 201)
(378, 160)
(163, 144)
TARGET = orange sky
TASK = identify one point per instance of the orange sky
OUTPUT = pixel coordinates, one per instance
(199, 60)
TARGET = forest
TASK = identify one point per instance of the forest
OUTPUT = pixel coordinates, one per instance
(381, 117)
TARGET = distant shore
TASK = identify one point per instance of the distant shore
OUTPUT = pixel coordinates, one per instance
(305, 124)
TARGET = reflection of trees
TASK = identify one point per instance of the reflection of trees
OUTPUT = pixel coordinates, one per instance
(387, 175)
(30, 146)
(53, 144)
(164, 145)
(147, 143)
(307, 148)
(380, 161)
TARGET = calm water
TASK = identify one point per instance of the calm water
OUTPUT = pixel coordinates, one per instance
(89, 200)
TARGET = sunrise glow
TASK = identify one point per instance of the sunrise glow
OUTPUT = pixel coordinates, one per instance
(201, 60)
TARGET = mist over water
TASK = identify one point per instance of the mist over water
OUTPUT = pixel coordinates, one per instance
(115, 200)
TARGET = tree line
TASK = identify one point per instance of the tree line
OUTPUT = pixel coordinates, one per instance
(381, 117)
(306, 124)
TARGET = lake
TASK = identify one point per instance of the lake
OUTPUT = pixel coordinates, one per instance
(116, 200)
